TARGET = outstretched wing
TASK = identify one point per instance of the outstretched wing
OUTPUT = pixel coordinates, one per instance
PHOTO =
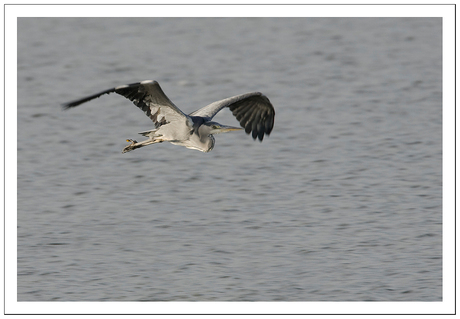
(148, 96)
(253, 110)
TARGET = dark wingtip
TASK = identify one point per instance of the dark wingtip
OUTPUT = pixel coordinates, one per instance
(65, 106)
(261, 135)
(69, 105)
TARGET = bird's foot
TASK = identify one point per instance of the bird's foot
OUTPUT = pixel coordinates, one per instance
(130, 147)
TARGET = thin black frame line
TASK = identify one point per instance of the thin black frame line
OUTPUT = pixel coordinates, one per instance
(229, 4)
(4, 161)
(455, 146)
(455, 158)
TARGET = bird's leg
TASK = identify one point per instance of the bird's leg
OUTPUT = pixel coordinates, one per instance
(134, 144)
(132, 141)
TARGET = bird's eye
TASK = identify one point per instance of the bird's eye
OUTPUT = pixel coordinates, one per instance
(215, 127)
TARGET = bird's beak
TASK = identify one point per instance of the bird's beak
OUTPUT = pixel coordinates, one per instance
(225, 128)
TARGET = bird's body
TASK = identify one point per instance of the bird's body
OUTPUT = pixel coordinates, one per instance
(194, 131)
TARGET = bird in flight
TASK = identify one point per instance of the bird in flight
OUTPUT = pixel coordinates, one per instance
(195, 130)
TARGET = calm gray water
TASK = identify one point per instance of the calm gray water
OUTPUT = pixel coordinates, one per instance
(341, 203)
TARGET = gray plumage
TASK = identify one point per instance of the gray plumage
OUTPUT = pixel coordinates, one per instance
(195, 131)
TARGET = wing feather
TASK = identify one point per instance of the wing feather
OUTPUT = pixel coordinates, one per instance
(148, 96)
(253, 110)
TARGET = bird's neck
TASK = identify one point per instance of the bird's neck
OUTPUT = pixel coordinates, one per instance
(210, 143)
(202, 140)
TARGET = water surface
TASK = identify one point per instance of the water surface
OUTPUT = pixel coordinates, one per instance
(341, 203)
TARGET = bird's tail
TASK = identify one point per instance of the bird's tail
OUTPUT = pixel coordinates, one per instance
(148, 133)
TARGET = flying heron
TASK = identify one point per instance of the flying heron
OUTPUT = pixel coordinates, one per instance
(195, 131)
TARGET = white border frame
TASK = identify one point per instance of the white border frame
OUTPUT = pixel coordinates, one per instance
(12, 12)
